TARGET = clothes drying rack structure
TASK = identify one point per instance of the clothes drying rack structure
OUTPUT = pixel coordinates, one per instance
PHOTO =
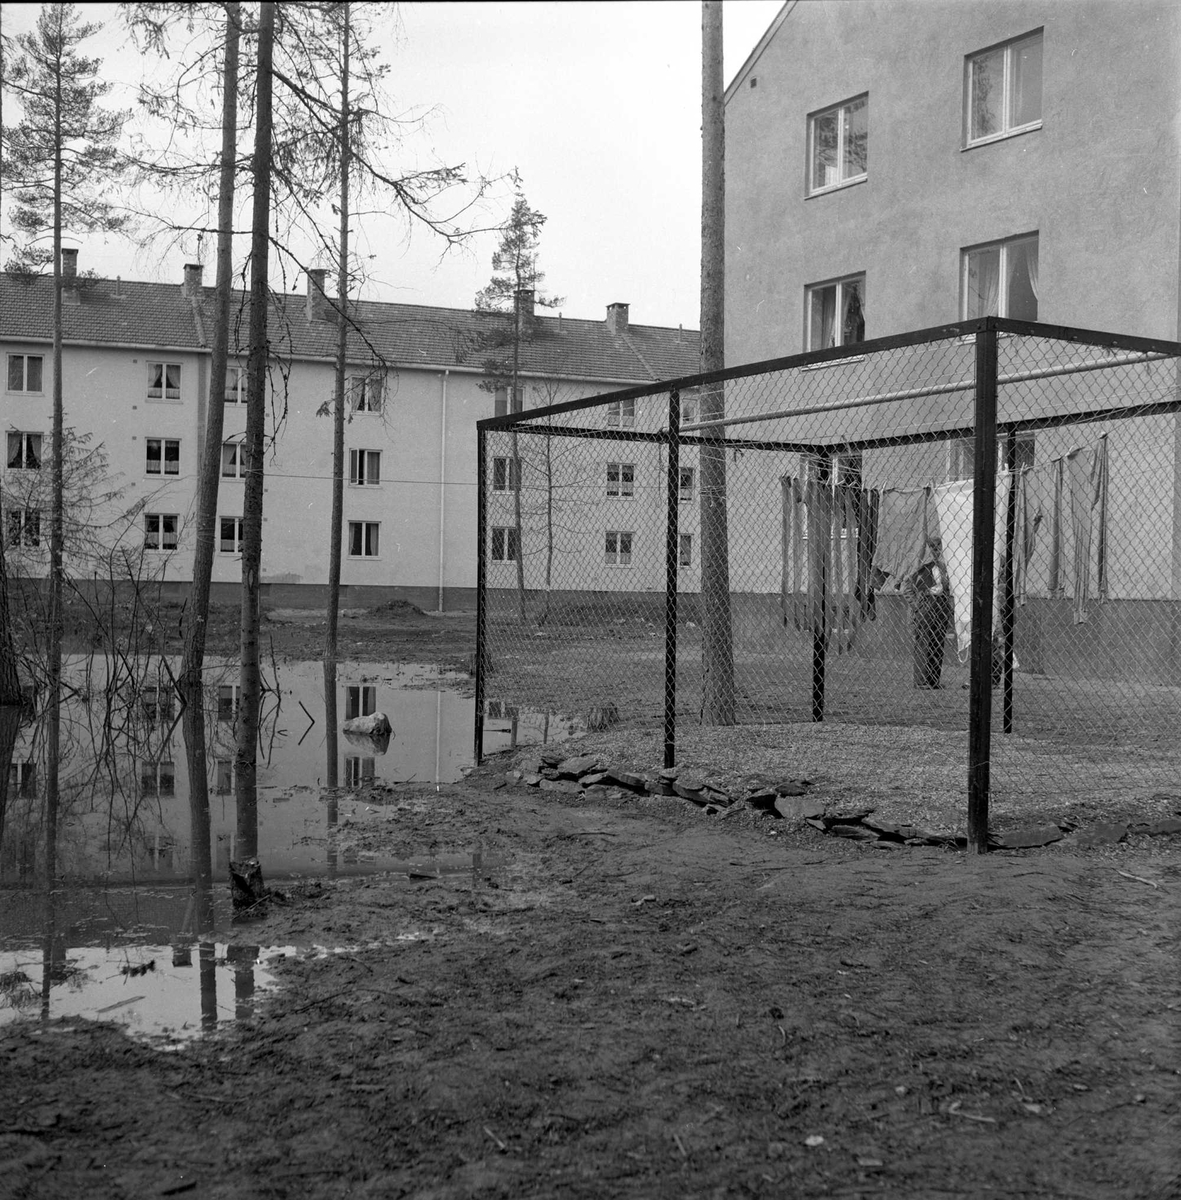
(764, 519)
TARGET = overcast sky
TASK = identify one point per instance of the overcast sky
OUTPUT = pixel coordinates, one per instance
(597, 104)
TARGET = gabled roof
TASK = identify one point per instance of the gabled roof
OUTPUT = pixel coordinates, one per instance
(158, 315)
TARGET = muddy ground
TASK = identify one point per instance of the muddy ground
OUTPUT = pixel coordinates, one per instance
(629, 998)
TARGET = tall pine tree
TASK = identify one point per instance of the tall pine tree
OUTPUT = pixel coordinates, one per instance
(59, 162)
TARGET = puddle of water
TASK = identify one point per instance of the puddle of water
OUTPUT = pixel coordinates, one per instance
(125, 815)
(169, 994)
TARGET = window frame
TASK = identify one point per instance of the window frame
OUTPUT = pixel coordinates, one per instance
(162, 444)
(621, 414)
(164, 370)
(623, 487)
(23, 455)
(368, 538)
(160, 518)
(233, 465)
(506, 476)
(25, 359)
(500, 404)
(239, 390)
(236, 537)
(360, 700)
(1007, 129)
(686, 491)
(360, 462)
(619, 548)
(22, 527)
(838, 285)
(812, 188)
(684, 550)
(961, 454)
(1003, 246)
(510, 547)
(366, 393)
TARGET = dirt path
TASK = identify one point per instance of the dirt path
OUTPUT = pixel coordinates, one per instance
(637, 1000)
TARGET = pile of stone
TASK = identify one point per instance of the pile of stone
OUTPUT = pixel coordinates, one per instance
(595, 779)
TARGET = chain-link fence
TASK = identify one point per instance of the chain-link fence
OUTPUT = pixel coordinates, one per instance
(960, 549)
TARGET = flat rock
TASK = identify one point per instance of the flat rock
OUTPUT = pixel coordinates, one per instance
(792, 787)
(669, 773)
(858, 833)
(551, 758)
(762, 798)
(593, 778)
(1028, 838)
(373, 725)
(531, 778)
(580, 764)
(512, 777)
(687, 792)
(1105, 833)
(798, 808)
(815, 824)
(625, 778)
(567, 787)
(1156, 828)
(596, 793)
(848, 814)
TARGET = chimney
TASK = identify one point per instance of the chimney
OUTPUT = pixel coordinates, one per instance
(525, 305)
(317, 304)
(191, 287)
(617, 317)
(69, 265)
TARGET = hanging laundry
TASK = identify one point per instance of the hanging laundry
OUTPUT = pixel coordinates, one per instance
(1086, 475)
(905, 522)
(828, 535)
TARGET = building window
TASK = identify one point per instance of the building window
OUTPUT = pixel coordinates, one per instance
(365, 468)
(160, 531)
(505, 475)
(835, 313)
(685, 483)
(163, 456)
(163, 381)
(621, 479)
(961, 455)
(621, 413)
(688, 410)
(224, 776)
(235, 389)
(22, 526)
(233, 460)
(685, 556)
(1001, 280)
(22, 780)
(1003, 90)
(158, 779)
(229, 540)
(359, 701)
(156, 703)
(24, 451)
(838, 145)
(501, 407)
(363, 539)
(228, 695)
(505, 544)
(365, 392)
(25, 372)
(619, 548)
(358, 771)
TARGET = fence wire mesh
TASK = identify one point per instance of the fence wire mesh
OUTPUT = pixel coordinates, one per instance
(856, 560)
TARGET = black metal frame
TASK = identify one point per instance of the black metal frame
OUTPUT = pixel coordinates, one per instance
(985, 431)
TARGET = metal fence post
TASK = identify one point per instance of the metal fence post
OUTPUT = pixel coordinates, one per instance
(820, 535)
(671, 563)
(983, 541)
(481, 588)
(1008, 612)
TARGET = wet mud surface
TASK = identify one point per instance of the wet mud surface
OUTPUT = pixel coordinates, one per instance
(632, 999)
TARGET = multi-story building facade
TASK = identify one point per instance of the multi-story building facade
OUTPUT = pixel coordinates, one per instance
(136, 384)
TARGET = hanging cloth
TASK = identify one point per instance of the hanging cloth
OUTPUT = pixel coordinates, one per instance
(1086, 477)
(905, 520)
(793, 582)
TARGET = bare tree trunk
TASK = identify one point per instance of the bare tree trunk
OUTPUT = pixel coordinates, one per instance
(57, 517)
(10, 687)
(245, 784)
(197, 612)
(336, 532)
(717, 643)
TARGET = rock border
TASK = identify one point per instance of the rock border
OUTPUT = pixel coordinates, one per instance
(592, 777)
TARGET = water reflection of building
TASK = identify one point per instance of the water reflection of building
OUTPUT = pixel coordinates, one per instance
(125, 787)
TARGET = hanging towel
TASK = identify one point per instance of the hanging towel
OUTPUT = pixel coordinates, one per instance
(954, 504)
(1086, 477)
(904, 523)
